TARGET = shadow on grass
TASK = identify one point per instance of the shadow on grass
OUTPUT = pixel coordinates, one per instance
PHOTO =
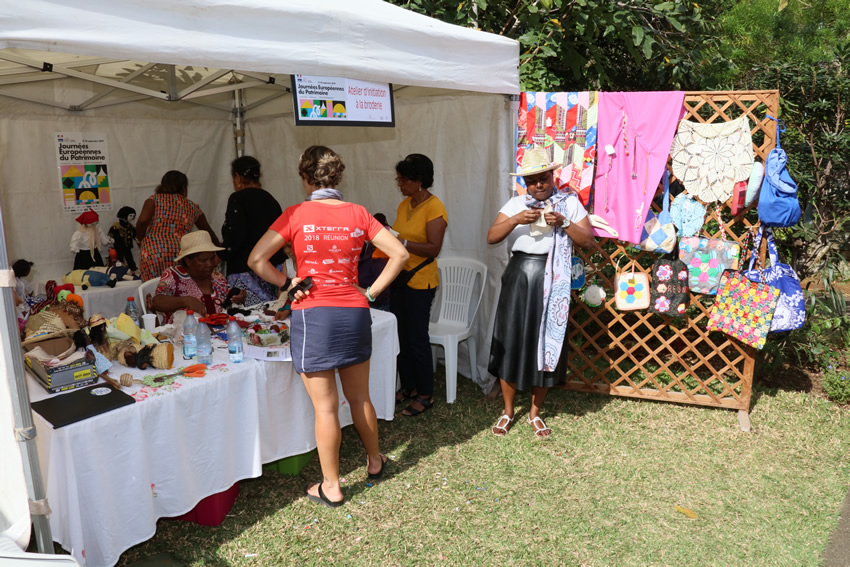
(407, 439)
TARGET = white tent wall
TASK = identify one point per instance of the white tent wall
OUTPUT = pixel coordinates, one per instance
(14, 509)
(140, 150)
(467, 138)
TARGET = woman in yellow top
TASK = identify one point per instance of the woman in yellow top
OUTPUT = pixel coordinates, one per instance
(421, 222)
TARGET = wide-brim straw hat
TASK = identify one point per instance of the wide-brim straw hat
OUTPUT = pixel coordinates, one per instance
(194, 242)
(534, 161)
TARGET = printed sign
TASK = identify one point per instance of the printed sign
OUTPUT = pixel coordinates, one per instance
(332, 101)
(83, 171)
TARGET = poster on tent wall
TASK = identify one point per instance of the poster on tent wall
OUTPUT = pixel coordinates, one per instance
(565, 125)
(332, 101)
(83, 172)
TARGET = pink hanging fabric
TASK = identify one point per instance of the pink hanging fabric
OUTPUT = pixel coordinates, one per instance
(639, 127)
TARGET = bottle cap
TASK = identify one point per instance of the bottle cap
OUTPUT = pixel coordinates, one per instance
(131, 299)
(231, 318)
(189, 312)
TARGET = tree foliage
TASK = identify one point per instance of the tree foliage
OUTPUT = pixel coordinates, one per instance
(592, 44)
(803, 51)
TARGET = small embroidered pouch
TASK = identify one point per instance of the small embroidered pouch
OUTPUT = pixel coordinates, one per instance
(577, 272)
(632, 289)
(669, 293)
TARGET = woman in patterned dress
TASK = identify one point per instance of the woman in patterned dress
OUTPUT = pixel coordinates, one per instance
(165, 218)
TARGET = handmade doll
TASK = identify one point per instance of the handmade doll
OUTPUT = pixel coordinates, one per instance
(123, 233)
(87, 242)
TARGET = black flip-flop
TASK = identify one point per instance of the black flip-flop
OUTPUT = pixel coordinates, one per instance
(426, 403)
(321, 498)
(380, 473)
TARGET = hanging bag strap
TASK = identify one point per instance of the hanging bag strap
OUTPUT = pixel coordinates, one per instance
(755, 257)
(419, 266)
(780, 128)
(773, 254)
(720, 221)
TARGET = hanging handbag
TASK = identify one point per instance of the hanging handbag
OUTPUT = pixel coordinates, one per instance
(707, 258)
(632, 289)
(790, 311)
(744, 309)
(669, 292)
(659, 232)
(778, 202)
(577, 273)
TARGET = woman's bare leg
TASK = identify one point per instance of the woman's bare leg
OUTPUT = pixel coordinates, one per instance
(321, 387)
(355, 386)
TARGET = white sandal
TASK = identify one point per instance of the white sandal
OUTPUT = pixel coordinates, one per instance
(503, 428)
(540, 430)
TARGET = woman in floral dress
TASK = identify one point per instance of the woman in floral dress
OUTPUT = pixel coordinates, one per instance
(166, 216)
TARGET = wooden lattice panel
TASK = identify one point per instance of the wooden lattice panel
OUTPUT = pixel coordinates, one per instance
(643, 355)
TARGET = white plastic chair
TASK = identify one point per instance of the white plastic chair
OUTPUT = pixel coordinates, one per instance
(146, 288)
(462, 283)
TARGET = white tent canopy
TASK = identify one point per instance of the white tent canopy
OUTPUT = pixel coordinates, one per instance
(362, 39)
(160, 78)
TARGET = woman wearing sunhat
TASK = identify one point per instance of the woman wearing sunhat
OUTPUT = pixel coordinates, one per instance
(193, 283)
(528, 352)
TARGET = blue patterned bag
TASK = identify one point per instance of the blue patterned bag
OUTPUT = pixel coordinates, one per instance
(790, 311)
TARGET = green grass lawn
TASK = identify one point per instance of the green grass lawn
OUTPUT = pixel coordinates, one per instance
(602, 490)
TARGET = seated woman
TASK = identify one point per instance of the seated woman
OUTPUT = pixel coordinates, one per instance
(193, 283)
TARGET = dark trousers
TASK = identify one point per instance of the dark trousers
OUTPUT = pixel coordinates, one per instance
(412, 308)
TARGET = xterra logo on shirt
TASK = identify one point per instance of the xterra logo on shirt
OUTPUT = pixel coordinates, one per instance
(320, 228)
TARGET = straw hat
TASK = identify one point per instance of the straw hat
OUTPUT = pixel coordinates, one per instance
(534, 161)
(194, 242)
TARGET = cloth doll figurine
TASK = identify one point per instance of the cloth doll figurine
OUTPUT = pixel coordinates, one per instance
(87, 242)
(88, 278)
(123, 233)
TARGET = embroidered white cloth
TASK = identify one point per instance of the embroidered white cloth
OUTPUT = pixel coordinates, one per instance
(709, 158)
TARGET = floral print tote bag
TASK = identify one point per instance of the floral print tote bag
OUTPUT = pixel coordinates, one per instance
(790, 311)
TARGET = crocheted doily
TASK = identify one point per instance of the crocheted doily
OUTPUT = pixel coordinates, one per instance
(710, 158)
(688, 215)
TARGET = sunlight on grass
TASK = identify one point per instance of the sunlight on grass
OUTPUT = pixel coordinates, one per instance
(602, 490)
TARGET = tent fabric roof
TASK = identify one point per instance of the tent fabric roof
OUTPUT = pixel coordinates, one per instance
(361, 39)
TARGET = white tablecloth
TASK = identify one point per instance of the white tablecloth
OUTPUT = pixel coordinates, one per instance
(109, 301)
(110, 477)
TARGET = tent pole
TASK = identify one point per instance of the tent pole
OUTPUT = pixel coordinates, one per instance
(239, 122)
(25, 431)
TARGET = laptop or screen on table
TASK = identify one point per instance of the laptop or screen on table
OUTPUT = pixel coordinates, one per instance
(79, 404)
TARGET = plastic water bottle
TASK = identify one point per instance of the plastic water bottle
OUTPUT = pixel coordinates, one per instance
(234, 341)
(204, 343)
(190, 335)
(131, 310)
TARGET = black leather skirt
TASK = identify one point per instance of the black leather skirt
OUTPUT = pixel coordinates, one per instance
(513, 350)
